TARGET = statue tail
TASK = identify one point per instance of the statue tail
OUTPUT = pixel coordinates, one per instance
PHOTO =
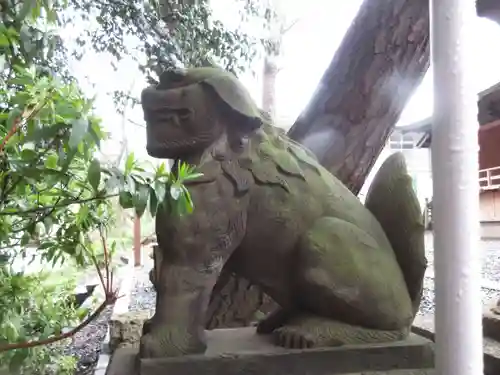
(392, 200)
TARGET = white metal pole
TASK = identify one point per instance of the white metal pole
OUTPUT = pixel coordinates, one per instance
(456, 191)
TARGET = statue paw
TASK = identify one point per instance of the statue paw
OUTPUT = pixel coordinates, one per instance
(309, 331)
(169, 341)
(293, 338)
(273, 321)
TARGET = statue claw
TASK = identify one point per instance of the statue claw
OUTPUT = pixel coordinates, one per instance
(291, 338)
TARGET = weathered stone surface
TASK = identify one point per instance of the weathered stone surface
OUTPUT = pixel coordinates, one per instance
(396, 372)
(491, 321)
(125, 330)
(424, 326)
(241, 351)
(257, 188)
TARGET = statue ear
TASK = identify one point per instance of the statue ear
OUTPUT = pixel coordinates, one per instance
(237, 99)
(225, 86)
(171, 78)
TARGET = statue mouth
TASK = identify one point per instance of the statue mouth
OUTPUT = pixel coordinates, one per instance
(158, 151)
(169, 149)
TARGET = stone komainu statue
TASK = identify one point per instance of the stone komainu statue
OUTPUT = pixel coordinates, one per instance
(342, 272)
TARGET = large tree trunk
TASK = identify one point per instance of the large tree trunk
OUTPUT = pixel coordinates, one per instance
(382, 59)
(362, 93)
(269, 86)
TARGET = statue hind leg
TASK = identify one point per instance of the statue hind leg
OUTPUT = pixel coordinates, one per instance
(349, 291)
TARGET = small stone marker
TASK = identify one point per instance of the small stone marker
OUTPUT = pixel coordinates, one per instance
(125, 330)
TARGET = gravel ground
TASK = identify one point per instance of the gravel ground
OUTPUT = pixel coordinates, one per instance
(86, 344)
(143, 295)
(490, 273)
(490, 258)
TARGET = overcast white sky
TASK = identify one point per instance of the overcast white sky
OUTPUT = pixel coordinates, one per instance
(309, 47)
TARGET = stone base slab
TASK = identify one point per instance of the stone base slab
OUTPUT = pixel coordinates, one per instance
(241, 351)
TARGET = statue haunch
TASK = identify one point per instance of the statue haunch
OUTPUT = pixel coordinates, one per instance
(342, 272)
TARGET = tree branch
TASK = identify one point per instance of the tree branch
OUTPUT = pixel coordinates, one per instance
(50, 340)
(60, 205)
(110, 298)
(27, 115)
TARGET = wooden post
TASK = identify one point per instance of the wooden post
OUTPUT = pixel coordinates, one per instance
(137, 242)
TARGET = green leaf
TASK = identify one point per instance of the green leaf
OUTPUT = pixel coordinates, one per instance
(4, 40)
(161, 171)
(129, 163)
(188, 200)
(160, 190)
(3, 62)
(141, 199)
(68, 158)
(10, 331)
(17, 361)
(192, 176)
(83, 214)
(4, 259)
(51, 161)
(96, 133)
(28, 154)
(25, 239)
(94, 174)
(153, 202)
(47, 245)
(27, 40)
(14, 116)
(48, 222)
(26, 9)
(125, 199)
(175, 191)
(79, 128)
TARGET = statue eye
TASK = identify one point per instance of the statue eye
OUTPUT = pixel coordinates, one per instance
(184, 113)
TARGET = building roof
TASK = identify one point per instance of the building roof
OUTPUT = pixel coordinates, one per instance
(489, 9)
(489, 104)
(488, 114)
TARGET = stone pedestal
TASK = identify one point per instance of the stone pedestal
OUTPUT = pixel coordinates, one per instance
(241, 351)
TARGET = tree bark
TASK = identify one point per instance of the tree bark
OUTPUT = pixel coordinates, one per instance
(381, 61)
(269, 86)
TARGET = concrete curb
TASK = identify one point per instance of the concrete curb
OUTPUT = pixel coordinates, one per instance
(424, 326)
(125, 277)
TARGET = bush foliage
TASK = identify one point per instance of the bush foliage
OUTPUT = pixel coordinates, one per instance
(55, 194)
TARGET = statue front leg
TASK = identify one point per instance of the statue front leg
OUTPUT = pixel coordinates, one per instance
(177, 328)
(191, 253)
